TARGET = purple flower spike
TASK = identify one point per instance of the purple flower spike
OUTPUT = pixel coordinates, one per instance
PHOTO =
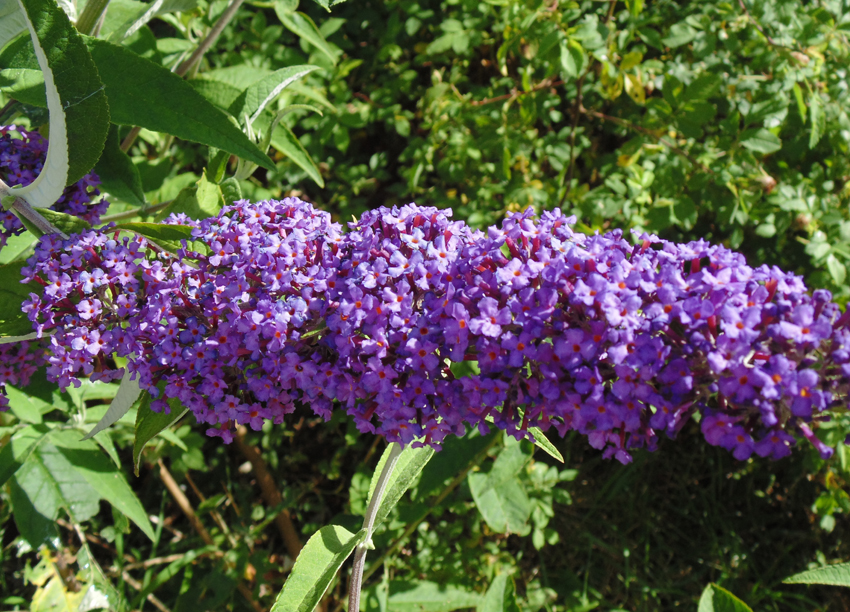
(620, 342)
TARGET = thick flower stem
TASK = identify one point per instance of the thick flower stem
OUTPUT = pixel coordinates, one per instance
(368, 524)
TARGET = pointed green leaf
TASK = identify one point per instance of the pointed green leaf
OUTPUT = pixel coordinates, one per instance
(102, 475)
(702, 88)
(12, 21)
(149, 424)
(118, 174)
(838, 575)
(303, 27)
(761, 140)
(65, 223)
(499, 495)
(128, 393)
(79, 116)
(158, 232)
(407, 469)
(13, 322)
(199, 201)
(14, 453)
(315, 568)
(255, 98)
(36, 527)
(718, 599)
(542, 442)
(286, 142)
(501, 596)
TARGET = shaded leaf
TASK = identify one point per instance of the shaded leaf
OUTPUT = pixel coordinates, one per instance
(423, 596)
(149, 424)
(501, 596)
(118, 174)
(406, 470)
(14, 453)
(128, 393)
(718, 599)
(302, 26)
(761, 140)
(286, 142)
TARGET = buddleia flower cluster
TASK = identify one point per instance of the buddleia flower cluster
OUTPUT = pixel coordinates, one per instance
(418, 326)
(22, 154)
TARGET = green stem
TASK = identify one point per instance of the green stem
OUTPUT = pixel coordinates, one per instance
(90, 16)
(411, 527)
(23, 210)
(211, 37)
(368, 524)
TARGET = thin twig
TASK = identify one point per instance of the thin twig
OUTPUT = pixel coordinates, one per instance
(186, 507)
(130, 138)
(210, 38)
(643, 130)
(167, 559)
(515, 93)
(140, 587)
(270, 493)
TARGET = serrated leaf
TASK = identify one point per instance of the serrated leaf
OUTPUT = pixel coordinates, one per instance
(718, 599)
(288, 144)
(223, 95)
(128, 393)
(166, 103)
(14, 453)
(406, 470)
(102, 475)
(118, 175)
(68, 224)
(761, 140)
(149, 424)
(302, 26)
(315, 568)
(501, 596)
(255, 98)
(837, 575)
(79, 116)
(702, 88)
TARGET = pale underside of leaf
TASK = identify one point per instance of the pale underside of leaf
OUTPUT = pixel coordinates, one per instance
(128, 393)
(48, 187)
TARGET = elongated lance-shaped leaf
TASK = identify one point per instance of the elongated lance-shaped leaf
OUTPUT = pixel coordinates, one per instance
(79, 116)
(407, 469)
(317, 564)
(12, 21)
(302, 26)
(838, 575)
(119, 176)
(261, 93)
(14, 453)
(150, 423)
(128, 393)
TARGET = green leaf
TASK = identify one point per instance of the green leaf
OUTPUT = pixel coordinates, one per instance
(761, 140)
(429, 597)
(286, 142)
(231, 190)
(572, 57)
(702, 88)
(501, 596)
(79, 116)
(718, 599)
(315, 568)
(220, 93)
(255, 98)
(158, 232)
(68, 224)
(166, 103)
(128, 393)
(818, 119)
(149, 424)
(102, 475)
(14, 453)
(303, 27)
(801, 103)
(143, 14)
(50, 482)
(118, 174)
(542, 442)
(407, 469)
(499, 495)
(836, 269)
(680, 34)
(838, 575)
(12, 21)
(14, 322)
(199, 201)
(35, 527)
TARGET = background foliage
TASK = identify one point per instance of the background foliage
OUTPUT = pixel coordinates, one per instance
(718, 120)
